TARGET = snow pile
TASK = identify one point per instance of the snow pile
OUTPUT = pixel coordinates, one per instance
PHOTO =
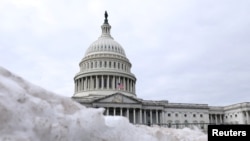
(31, 113)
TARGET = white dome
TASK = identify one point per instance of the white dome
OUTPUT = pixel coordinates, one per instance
(105, 45)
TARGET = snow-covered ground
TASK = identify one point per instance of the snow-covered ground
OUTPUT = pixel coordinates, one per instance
(31, 113)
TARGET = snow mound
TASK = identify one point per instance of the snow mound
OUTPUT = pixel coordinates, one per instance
(31, 113)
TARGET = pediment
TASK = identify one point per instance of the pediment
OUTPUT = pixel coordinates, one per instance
(117, 98)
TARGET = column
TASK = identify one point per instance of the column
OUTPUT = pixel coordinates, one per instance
(163, 117)
(134, 116)
(130, 85)
(80, 84)
(102, 82)
(122, 82)
(84, 83)
(125, 84)
(107, 82)
(140, 116)
(145, 118)
(156, 116)
(160, 117)
(75, 87)
(151, 117)
(107, 110)
(114, 111)
(86, 79)
(96, 82)
(113, 83)
(127, 114)
(77, 82)
(133, 86)
(247, 117)
(91, 82)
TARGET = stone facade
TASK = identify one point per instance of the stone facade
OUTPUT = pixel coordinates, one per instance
(105, 81)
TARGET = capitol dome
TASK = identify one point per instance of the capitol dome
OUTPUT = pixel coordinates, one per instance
(104, 69)
(105, 45)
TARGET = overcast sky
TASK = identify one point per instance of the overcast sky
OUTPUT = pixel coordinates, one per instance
(183, 51)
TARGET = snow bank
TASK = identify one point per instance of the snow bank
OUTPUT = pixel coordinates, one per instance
(31, 113)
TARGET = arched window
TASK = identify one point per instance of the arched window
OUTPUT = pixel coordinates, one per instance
(105, 64)
(100, 64)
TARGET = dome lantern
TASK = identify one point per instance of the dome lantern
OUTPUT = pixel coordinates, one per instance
(105, 43)
(106, 27)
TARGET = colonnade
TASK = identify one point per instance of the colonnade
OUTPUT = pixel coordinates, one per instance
(216, 118)
(95, 64)
(137, 115)
(100, 82)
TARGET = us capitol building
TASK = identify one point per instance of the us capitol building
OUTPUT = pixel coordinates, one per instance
(105, 80)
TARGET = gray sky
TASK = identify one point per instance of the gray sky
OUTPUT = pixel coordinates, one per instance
(182, 51)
